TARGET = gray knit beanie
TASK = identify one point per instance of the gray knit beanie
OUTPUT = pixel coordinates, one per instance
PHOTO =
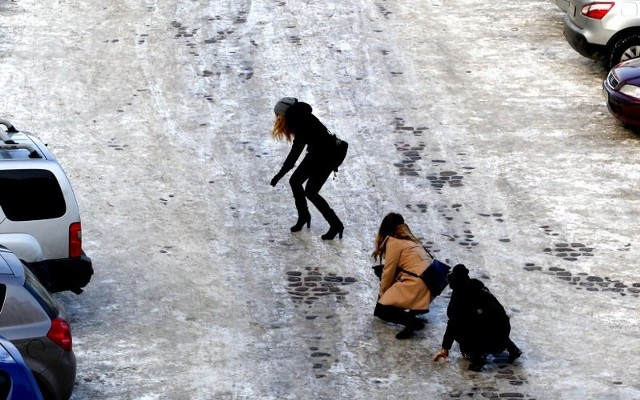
(283, 105)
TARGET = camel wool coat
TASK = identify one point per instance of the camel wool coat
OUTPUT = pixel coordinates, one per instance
(398, 288)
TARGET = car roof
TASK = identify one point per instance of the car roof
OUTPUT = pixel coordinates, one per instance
(17, 145)
(9, 263)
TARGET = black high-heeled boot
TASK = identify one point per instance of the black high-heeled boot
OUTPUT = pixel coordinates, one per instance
(413, 324)
(302, 220)
(514, 351)
(335, 229)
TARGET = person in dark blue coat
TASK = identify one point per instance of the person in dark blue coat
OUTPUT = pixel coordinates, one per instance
(477, 321)
(325, 153)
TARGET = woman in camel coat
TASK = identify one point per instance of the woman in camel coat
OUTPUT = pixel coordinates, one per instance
(402, 293)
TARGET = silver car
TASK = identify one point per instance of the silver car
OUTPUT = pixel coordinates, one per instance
(33, 321)
(604, 30)
(562, 4)
(45, 234)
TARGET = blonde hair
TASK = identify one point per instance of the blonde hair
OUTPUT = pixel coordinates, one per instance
(280, 129)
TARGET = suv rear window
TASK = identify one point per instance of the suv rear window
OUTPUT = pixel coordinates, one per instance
(22, 188)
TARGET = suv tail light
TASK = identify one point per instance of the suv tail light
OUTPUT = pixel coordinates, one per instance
(75, 240)
(60, 333)
(597, 10)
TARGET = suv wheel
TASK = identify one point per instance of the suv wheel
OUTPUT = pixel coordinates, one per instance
(625, 49)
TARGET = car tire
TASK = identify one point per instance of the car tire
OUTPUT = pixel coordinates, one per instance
(624, 49)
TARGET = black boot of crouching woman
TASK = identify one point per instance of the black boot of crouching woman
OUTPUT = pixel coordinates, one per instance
(514, 351)
(412, 323)
(398, 316)
(471, 352)
(409, 330)
(477, 362)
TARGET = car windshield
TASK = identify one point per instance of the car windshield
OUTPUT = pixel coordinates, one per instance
(41, 294)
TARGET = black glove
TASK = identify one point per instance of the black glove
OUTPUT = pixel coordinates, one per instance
(276, 178)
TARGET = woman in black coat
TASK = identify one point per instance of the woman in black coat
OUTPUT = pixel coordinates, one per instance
(477, 321)
(325, 152)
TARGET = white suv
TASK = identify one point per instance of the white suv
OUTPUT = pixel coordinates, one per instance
(606, 30)
(39, 216)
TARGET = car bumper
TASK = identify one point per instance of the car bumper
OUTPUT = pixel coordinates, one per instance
(64, 274)
(577, 40)
(623, 108)
(562, 4)
(58, 379)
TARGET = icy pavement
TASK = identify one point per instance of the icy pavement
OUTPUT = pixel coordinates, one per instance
(474, 119)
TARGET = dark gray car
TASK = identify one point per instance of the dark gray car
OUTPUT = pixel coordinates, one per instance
(33, 321)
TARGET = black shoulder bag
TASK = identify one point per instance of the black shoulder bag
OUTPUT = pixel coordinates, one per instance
(435, 276)
(339, 153)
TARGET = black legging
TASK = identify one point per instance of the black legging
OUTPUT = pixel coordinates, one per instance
(397, 315)
(315, 173)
